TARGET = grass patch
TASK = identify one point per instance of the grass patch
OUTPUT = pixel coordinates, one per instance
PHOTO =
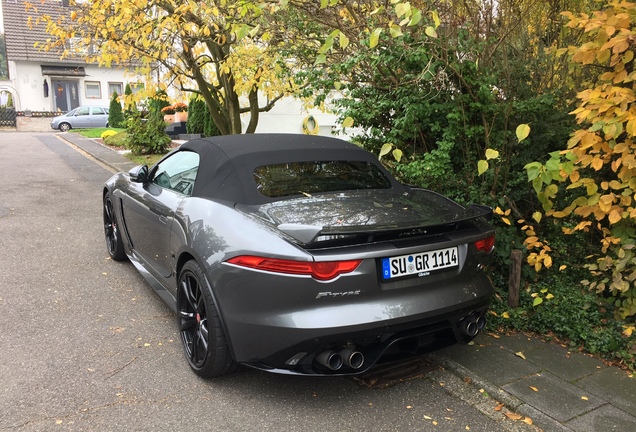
(94, 132)
(120, 141)
(144, 159)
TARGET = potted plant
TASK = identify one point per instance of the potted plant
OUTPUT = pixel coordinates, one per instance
(168, 114)
(181, 111)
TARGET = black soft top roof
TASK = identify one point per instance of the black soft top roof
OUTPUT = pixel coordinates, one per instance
(227, 163)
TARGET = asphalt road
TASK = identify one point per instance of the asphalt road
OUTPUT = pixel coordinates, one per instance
(85, 344)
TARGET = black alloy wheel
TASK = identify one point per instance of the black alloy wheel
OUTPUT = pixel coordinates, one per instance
(114, 242)
(204, 341)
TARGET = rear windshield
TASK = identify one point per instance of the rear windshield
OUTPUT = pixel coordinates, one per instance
(308, 178)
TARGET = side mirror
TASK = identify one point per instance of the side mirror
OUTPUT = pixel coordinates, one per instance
(139, 174)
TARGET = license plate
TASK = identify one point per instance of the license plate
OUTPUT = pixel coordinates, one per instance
(420, 263)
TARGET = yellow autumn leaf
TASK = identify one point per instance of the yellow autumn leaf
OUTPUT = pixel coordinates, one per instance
(584, 398)
(482, 166)
(533, 388)
(505, 315)
(506, 221)
(522, 132)
(628, 330)
(348, 122)
(491, 154)
(520, 354)
(374, 38)
(614, 216)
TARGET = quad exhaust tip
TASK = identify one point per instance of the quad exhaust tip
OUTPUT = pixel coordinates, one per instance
(352, 359)
(330, 359)
(472, 324)
(335, 360)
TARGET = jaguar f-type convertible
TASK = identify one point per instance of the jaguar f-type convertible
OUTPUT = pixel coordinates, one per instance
(299, 254)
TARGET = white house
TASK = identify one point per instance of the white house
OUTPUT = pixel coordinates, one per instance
(41, 80)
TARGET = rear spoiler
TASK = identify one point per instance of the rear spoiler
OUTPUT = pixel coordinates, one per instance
(308, 233)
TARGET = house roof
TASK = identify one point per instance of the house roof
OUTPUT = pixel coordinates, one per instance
(20, 36)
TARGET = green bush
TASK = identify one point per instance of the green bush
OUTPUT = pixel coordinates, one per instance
(569, 312)
(115, 114)
(197, 111)
(209, 127)
(130, 108)
(147, 136)
(158, 102)
(118, 140)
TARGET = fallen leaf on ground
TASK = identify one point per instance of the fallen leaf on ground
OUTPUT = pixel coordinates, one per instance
(527, 420)
(520, 354)
(534, 388)
(513, 416)
(499, 407)
(584, 398)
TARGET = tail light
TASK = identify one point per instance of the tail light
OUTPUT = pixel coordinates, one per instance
(323, 271)
(486, 244)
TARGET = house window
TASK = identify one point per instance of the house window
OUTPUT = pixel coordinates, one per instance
(136, 87)
(93, 89)
(115, 87)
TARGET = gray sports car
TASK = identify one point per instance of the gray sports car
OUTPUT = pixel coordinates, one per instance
(299, 254)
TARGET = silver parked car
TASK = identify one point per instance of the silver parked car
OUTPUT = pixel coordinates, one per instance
(299, 254)
(81, 117)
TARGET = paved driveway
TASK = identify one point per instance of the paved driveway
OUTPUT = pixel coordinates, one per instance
(85, 344)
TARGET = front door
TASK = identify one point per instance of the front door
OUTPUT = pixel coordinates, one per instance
(66, 95)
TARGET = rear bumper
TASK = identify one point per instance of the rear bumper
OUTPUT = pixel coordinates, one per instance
(379, 345)
(381, 326)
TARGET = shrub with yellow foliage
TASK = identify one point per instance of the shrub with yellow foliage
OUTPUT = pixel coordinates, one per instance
(599, 165)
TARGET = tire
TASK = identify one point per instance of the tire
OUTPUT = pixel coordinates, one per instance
(64, 127)
(204, 341)
(112, 233)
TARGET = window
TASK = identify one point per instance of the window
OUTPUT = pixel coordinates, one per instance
(136, 87)
(115, 87)
(178, 172)
(98, 111)
(93, 89)
(82, 111)
(304, 178)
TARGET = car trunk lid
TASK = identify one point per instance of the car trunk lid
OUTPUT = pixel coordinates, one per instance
(362, 216)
